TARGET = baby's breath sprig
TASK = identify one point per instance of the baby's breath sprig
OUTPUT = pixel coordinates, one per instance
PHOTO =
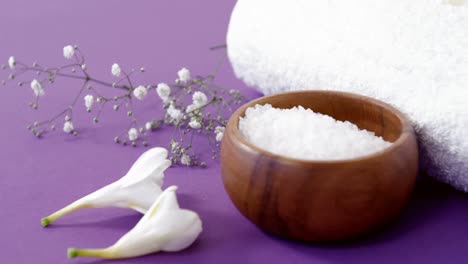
(191, 105)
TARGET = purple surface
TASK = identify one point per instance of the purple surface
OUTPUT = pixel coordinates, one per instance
(40, 176)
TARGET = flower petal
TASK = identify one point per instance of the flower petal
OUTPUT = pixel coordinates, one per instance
(150, 164)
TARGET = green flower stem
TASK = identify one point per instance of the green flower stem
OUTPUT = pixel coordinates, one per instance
(105, 253)
(66, 210)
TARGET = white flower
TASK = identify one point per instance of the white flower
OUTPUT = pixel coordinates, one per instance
(219, 136)
(11, 62)
(137, 190)
(140, 92)
(68, 127)
(68, 51)
(149, 125)
(191, 108)
(199, 99)
(185, 159)
(163, 91)
(165, 227)
(194, 124)
(84, 67)
(36, 86)
(184, 75)
(132, 134)
(174, 113)
(116, 71)
(89, 101)
(219, 131)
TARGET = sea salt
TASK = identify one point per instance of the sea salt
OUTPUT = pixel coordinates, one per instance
(304, 134)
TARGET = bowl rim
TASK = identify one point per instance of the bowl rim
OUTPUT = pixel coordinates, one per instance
(407, 131)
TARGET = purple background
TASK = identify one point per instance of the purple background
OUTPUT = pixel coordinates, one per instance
(40, 176)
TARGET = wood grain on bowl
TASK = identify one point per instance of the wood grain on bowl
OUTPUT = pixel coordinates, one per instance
(322, 201)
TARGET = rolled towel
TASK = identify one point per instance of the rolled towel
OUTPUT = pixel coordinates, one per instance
(411, 54)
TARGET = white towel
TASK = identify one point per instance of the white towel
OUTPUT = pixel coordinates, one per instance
(411, 54)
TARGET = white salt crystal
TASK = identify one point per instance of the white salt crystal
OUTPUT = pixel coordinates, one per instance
(303, 134)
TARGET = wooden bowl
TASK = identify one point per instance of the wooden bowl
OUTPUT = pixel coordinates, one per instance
(322, 201)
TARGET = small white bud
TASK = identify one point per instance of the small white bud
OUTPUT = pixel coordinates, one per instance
(164, 91)
(174, 113)
(219, 136)
(199, 99)
(184, 75)
(140, 92)
(11, 62)
(89, 101)
(149, 125)
(219, 131)
(116, 71)
(68, 127)
(37, 88)
(195, 124)
(133, 134)
(68, 51)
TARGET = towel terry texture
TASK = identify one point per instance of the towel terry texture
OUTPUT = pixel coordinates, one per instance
(411, 54)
